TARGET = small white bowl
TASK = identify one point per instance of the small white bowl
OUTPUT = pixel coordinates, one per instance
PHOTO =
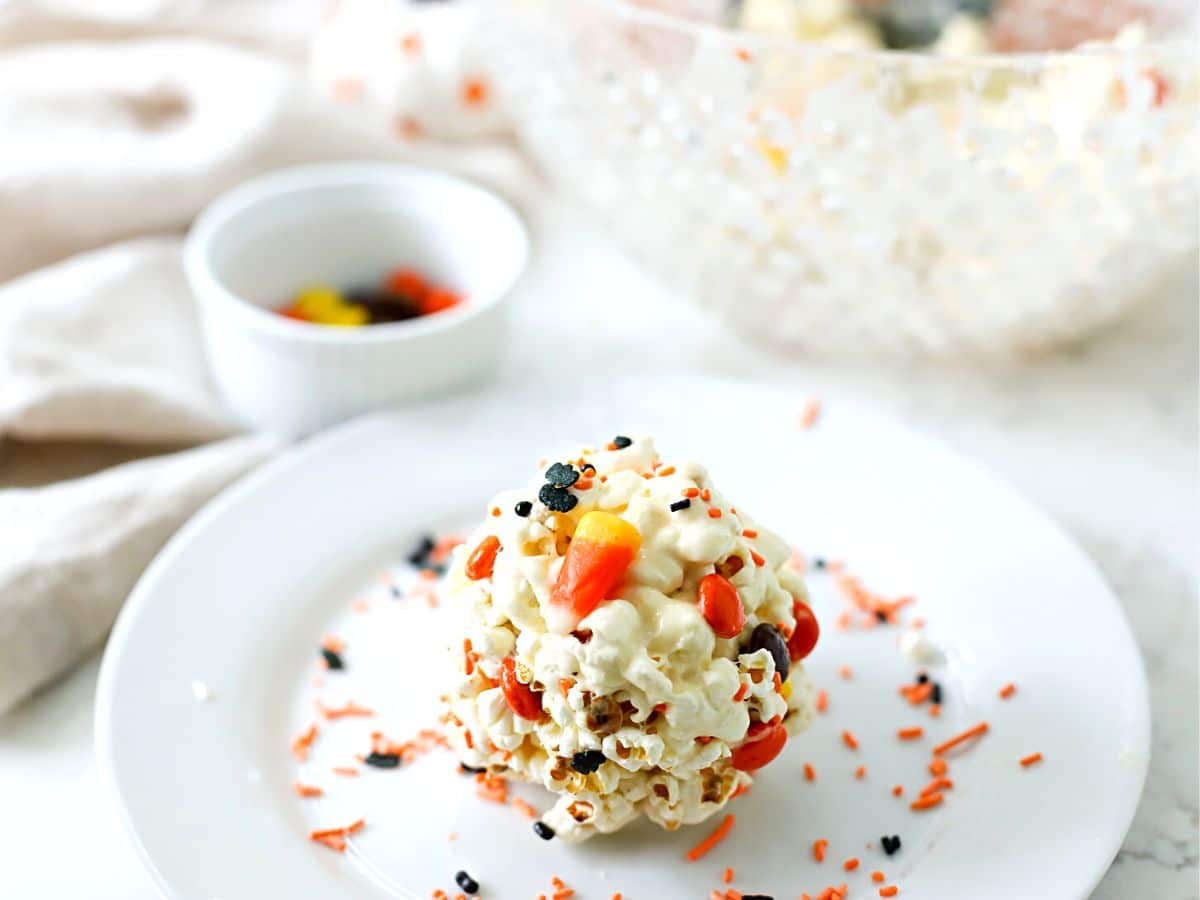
(347, 224)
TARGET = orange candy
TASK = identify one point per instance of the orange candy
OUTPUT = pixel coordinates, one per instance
(602, 549)
(483, 558)
(763, 743)
(721, 606)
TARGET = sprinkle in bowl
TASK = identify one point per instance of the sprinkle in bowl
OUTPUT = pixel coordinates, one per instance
(347, 224)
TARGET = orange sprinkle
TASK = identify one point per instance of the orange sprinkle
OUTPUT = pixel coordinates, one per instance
(584, 484)
(860, 772)
(713, 839)
(846, 672)
(777, 681)
(307, 790)
(728, 876)
(706, 495)
(938, 766)
(303, 741)
(333, 643)
(810, 774)
(1031, 759)
(808, 415)
(910, 734)
(714, 513)
(352, 828)
(691, 492)
(938, 784)
(918, 693)
(822, 700)
(877, 876)
(819, 849)
(1007, 691)
(522, 807)
(758, 558)
(890, 891)
(665, 471)
(741, 692)
(495, 511)
(849, 740)
(851, 864)
(411, 43)
(333, 842)
(843, 621)
(927, 802)
(345, 771)
(474, 92)
(898, 791)
(934, 710)
(973, 731)
(565, 685)
(750, 533)
(743, 54)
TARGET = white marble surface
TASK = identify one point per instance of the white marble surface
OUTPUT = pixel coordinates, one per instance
(1105, 438)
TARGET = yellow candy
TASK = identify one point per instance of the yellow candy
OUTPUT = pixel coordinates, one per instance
(785, 691)
(318, 300)
(326, 306)
(606, 529)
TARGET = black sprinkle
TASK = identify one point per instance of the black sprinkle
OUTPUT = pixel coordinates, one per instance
(936, 695)
(421, 552)
(881, 616)
(585, 762)
(890, 844)
(523, 509)
(819, 562)
(332, 659)
(396, 593)
(922, 678)
(542, 830)
(466, 882)
(557, 499)
(464, 769)
(383, 760)
(562, 475)
(621, 442)
(680, 504)
(757, 897)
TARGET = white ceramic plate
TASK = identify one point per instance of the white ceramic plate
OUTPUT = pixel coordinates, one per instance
(241, 597)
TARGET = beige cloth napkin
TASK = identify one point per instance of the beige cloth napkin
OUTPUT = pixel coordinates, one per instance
(118, 125)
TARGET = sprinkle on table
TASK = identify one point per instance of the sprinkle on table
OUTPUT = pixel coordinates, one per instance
(810, 774)
(846, 672)
(849, 740)
(927, 802)
(963, 737)
(898, 791)
(1007, 691)
(910, 734)
(938, 766)
(891, 843)
(727, 876)
(890, 891)
(851, 864)
(822, 700)
(878, 876)
(810, 413)
(307, 790)
(1031, 759)
(860, 773)
(713, 839)
(818, 849)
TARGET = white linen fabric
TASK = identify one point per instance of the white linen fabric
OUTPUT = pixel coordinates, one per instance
(118, 123)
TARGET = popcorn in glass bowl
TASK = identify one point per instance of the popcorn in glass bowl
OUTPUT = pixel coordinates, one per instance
(883, 176)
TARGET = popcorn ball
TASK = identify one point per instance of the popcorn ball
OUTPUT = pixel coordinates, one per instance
(627, 639)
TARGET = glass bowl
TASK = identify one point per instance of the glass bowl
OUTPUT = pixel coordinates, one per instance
(871, 201)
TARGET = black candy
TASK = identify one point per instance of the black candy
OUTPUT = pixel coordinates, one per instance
(562, 475)
(767, 637)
